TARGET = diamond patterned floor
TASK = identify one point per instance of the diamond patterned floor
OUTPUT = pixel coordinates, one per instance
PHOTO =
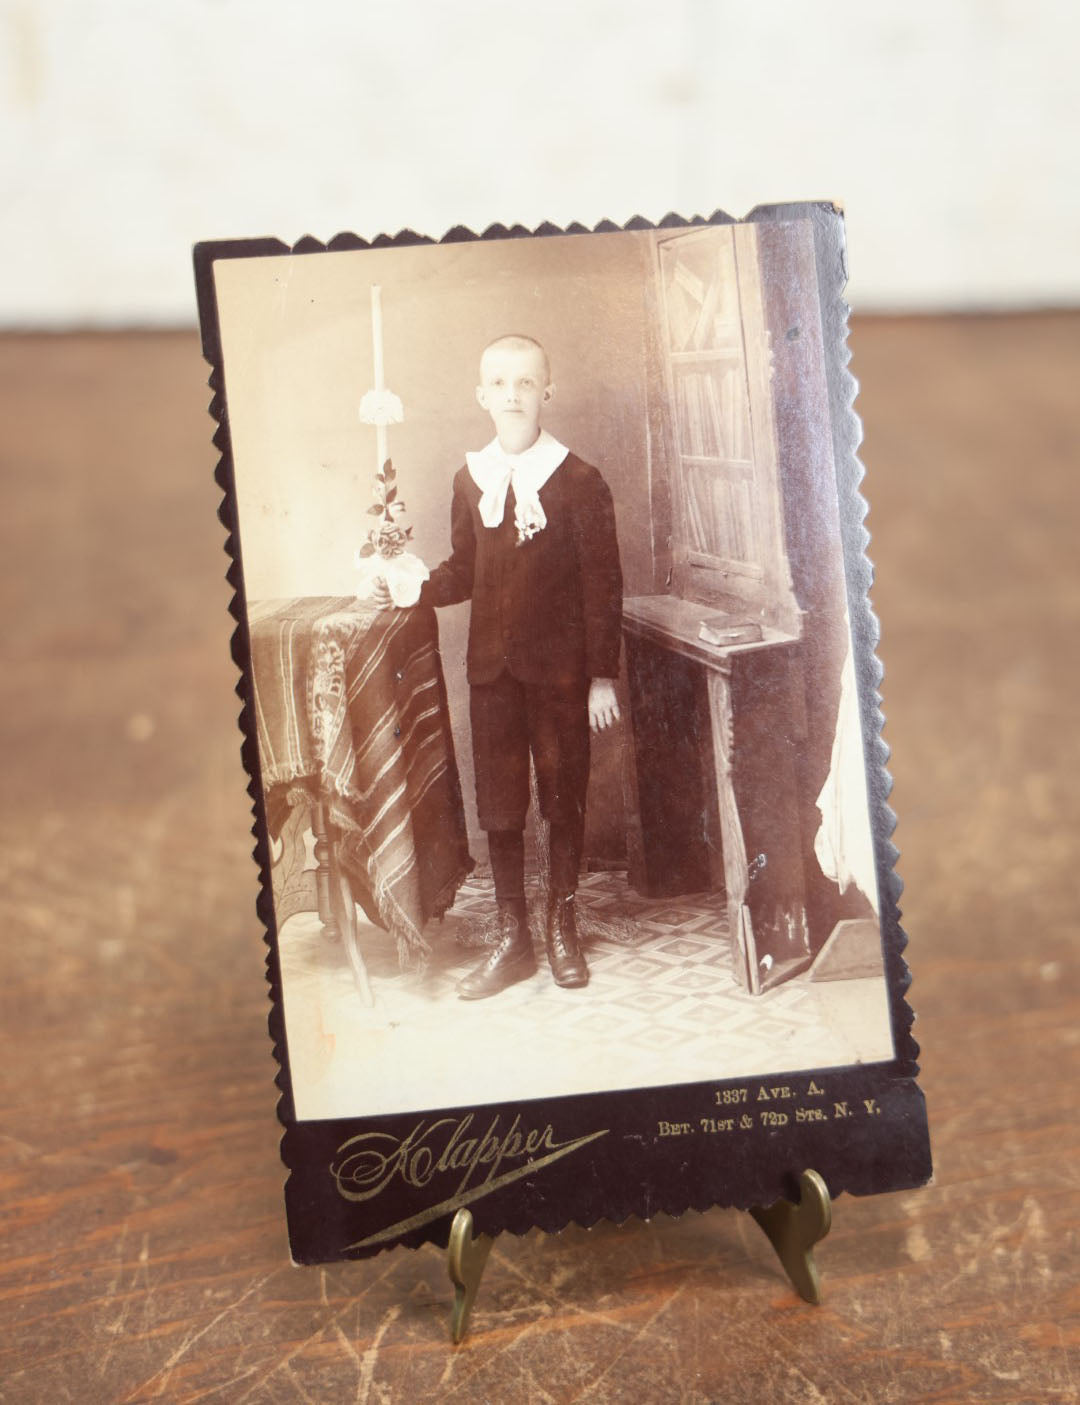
(661, 1007)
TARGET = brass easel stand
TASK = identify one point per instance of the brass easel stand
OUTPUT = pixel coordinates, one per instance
(792, 1230)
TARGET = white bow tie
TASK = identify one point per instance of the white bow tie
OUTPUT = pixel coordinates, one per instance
(493, 470)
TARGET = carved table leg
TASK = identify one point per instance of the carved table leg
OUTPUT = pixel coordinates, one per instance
(344, 910)
(327, 914)
(736, 868)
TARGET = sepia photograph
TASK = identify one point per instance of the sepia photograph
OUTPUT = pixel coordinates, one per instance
(539, 724)
(555, 694)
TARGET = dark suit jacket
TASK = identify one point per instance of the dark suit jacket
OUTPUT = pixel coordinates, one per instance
(550, 610)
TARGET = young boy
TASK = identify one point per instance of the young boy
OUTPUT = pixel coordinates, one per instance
(532, 531)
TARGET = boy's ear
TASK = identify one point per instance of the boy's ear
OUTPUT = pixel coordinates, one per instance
(549, 394)
(481, 400)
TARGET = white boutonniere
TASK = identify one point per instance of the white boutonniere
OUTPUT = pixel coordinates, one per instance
(529, 519)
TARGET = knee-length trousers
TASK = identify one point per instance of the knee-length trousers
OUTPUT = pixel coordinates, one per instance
(510, 720)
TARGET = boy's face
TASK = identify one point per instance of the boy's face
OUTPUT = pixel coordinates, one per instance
(513, 390)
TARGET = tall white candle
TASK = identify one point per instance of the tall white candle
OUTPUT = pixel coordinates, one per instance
(382, 448)
(377, 336)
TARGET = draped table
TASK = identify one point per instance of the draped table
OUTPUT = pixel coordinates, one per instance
(352, 727)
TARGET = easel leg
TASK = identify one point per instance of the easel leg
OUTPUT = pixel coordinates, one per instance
(793, 1230)
(465, 1260)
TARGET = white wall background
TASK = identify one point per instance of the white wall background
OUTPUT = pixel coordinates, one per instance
(131, 128)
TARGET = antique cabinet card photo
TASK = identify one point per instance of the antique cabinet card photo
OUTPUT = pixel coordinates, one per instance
(560, 713)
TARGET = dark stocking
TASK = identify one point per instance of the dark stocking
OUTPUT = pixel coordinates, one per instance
(507, 850)
(566, 842)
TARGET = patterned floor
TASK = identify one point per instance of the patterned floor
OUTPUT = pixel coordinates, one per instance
(660, 1007)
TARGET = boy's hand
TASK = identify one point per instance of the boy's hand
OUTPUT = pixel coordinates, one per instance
(603, 705)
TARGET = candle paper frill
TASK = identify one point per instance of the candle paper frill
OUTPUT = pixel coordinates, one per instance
(381, 407)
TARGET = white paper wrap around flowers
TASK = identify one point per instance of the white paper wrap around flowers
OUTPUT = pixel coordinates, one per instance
(404, 575)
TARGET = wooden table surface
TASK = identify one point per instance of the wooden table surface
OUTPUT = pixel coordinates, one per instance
(144, 1251)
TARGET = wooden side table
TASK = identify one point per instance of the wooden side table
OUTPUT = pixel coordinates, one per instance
(713, 788)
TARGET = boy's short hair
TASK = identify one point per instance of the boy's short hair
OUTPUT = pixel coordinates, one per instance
(518, 341)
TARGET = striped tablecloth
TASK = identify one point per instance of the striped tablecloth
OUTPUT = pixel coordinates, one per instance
(352, 702)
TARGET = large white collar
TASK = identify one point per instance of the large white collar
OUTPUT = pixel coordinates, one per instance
(493, 470)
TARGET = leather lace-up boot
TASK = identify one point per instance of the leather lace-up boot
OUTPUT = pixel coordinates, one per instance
(564, 952)
(510, 960)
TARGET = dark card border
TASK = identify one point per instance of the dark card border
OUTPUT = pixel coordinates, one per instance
(859, 1151)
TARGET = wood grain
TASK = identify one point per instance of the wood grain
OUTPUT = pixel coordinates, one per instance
(144, 1241)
